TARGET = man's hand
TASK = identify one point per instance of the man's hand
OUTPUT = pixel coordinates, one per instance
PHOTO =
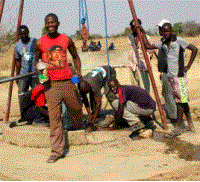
(89, 118)
(140, 28)
(186, 68)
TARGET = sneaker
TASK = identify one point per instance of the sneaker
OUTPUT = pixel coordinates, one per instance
(173, 133)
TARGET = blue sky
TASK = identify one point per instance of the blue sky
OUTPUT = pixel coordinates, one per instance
(118, 14)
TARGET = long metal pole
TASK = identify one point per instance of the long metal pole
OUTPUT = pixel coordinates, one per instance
(163, 118)
(17, 77)
(14, 62)
(1, 9)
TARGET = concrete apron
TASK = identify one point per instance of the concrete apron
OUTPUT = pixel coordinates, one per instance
(30, 136)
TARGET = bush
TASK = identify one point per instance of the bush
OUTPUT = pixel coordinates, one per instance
(191, 28)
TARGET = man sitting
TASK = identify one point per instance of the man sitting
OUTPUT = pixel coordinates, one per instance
(135, 105)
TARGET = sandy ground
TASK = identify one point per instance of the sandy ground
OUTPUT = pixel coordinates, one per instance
(154, 158)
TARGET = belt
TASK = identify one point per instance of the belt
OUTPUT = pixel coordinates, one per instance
(61, 80)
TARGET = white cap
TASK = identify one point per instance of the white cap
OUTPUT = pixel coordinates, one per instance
(162, 23)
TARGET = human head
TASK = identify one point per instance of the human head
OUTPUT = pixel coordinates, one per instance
(24, 33)
(167, 31)
(160, 26)
(133, 27)
(113, 85)
(84, 86)
(51, 24)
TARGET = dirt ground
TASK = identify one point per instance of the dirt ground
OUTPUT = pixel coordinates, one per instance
(151, 159)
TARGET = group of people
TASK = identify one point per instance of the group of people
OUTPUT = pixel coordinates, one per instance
(132, 104)
(172, 68)
(93, 46)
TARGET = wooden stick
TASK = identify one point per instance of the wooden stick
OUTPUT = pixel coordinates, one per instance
(163, 118)
(1, 9)
(14, 62)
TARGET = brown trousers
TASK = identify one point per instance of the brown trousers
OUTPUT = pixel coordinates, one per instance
(55, 93)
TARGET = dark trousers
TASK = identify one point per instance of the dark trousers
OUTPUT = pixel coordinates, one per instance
(25, 83)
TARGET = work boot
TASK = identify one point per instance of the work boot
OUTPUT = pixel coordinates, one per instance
(137, 126)
(148, 121)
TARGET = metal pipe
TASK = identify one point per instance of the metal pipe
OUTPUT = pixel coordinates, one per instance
(163, 118)
(17, 77)
(1, 9)
(14, 62)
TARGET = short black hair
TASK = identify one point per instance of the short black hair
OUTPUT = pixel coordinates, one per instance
(132, 22)
(134, 32)
(167, 24)
(24, 27)
(52, 15)
(113, 79)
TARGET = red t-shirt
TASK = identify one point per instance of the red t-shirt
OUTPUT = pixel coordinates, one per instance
(54, 54)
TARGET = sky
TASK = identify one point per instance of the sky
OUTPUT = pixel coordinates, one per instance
(118, 14)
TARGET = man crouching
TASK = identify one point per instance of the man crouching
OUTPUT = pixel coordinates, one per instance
(135, 105)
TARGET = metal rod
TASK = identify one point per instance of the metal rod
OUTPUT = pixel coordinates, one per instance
(14, 62)
(163, 118)
(1, 9)
(17, 77)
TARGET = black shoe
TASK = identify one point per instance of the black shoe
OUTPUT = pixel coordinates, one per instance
(54, 158)
(137, 126)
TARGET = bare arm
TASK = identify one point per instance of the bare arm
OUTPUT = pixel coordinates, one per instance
(38, 53)
(18, 66)
(193, 56)
(76, 58)
(119, 113)
(96, 109)
(87, 106)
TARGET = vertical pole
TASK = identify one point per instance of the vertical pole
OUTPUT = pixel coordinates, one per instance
(163, 118)
(106, 34)
(14, 62)
(1, 9)
(80, 16)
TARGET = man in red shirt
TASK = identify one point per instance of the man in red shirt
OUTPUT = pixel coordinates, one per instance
(59, 86)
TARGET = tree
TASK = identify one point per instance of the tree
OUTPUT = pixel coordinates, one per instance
(191, 28)
(127, 31)
(44, 31)
(178, 28)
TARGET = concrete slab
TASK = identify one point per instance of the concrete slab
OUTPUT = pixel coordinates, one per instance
(38, 137)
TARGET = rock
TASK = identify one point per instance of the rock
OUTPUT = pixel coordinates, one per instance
(146, 133)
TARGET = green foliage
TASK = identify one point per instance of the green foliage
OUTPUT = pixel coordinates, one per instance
(6, 40)
(44, 31)
(178, 28)
(95, 36)
(127, 31)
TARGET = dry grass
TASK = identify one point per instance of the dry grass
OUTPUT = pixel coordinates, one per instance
(120, 43)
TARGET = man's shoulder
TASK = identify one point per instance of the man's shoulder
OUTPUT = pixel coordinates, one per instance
(18, 43)
(33, 39)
